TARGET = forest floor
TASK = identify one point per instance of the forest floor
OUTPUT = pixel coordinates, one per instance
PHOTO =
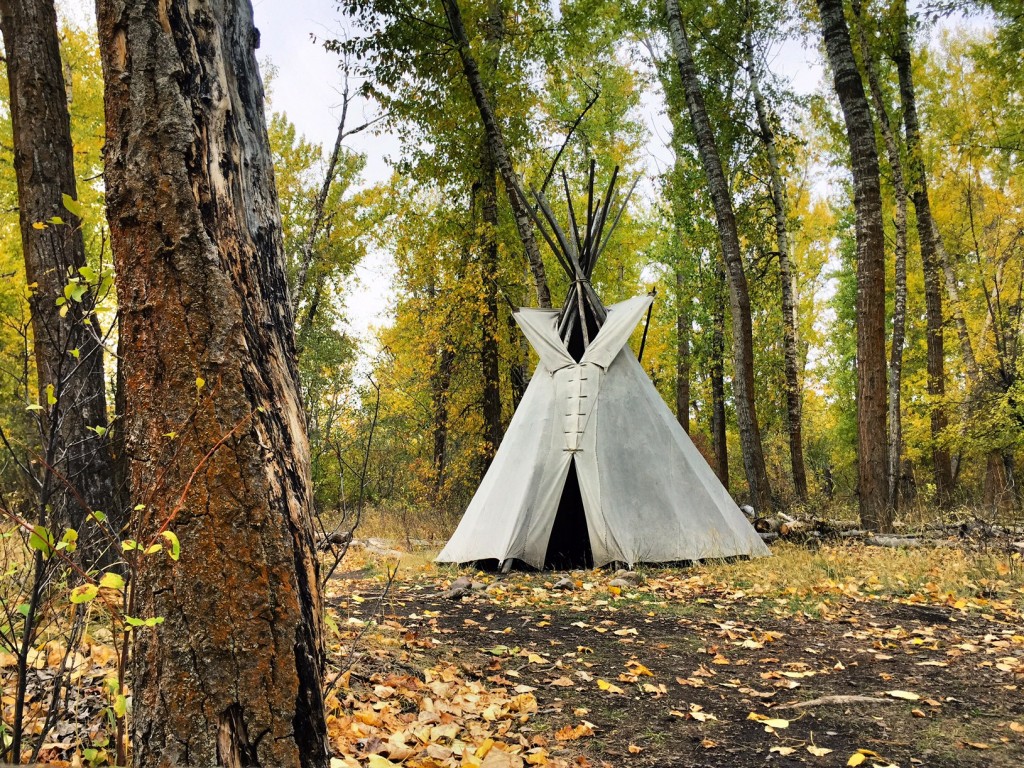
(848, 655)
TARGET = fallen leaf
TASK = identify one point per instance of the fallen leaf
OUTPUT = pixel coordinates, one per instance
(634, 749)
(856, 759)
(818, 751)
(604, 685)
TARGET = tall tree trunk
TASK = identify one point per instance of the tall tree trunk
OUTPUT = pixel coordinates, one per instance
(499, 150)
(739, 297)
(440, 388)
(67, 348)
(520, 358)
(899, 311)
(489, 358)
(717, 373)
(682, 352)
(932, 266)
(787, 275)
(872, 464)
(233, 675)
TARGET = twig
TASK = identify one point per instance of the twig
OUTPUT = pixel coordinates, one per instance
(329, 689)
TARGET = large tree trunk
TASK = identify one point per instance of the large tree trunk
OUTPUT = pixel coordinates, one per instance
(682, 352)
(489, 358)
(787, 275)
(931, 263)
(739, 298)
(717, 374)
(500, 152)
(68, 353)
(233, 675)
(899, 310)
(872, 464)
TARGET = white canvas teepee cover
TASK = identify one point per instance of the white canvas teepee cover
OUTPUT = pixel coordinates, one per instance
(648, 494)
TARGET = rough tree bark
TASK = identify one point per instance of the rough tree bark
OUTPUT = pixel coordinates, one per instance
(500, 152)
(739, 297)
(927, 235)
(68, 351)
(872, 464)
(233, 675)
(899, 290)
(682, 352)
(787, 276)
(717, 374)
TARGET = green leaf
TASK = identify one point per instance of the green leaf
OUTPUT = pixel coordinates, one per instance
(175, 551)
(73, 205)
(56, 220)
(75, 353)
(101, 431)
(133, 621)
(84, 593)
(120, 706)
(90, 753)
(112, 580)
(152, 549)
(41, 539)
(99, 517)
(129, 544)
(69, 540)
(33, 407)
(51, 398)
(78, 291)
(89, 274)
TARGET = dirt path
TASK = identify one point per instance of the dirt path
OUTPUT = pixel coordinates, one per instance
(645, 677)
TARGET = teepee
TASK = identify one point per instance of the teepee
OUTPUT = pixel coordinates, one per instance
(594, 468)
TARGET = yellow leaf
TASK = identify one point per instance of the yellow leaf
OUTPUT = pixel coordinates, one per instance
(604, 685)
(639, 669)
(377, 761)
(856, 759)
(768, 722)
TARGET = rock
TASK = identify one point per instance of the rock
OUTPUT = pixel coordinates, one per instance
(748, 510)
(565, 583)
(631, 579)
(459, 588)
